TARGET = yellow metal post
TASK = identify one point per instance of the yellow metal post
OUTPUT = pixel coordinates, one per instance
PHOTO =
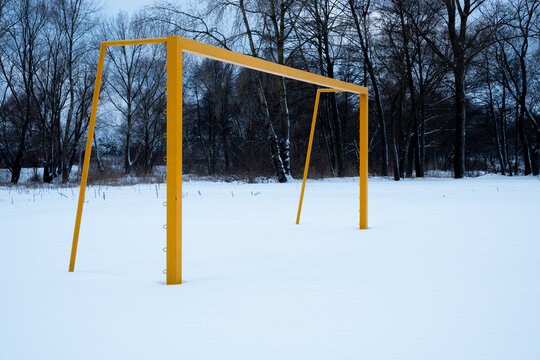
(174, 160)
(87, 153)
(363, 161)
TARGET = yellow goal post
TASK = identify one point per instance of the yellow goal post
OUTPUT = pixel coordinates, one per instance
(176, 46)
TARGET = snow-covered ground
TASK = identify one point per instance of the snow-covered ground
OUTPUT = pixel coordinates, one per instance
(449, 269)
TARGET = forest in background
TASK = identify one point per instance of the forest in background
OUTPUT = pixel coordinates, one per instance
(454, 86)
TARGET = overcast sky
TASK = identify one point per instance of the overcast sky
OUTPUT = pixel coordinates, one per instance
(113, 6)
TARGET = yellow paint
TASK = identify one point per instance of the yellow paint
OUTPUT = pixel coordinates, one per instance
(310, 144)
(231, 57)
(135, 42)
(175, 47)
(87, 153)
(363, 161)
(174, 160)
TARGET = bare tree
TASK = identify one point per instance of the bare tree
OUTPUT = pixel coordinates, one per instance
(151, 118)
(360, 11)
(196, 24)
(74, 19)
(324, 31)
(127, 72)
(515, 38)
(213, 115)
(22, 55)
(464, 40)
(280, 18)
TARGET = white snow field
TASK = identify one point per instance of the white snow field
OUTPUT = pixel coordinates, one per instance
(449, 269)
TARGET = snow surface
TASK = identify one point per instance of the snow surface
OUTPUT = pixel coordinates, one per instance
(449, 269)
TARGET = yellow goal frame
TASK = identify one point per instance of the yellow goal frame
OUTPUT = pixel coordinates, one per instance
(176, 46)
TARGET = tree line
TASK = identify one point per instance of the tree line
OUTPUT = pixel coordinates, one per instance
(454, 86)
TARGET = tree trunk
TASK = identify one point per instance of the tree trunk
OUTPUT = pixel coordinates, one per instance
(535, 156)
(375, 90)
(16, 170)
(506, 153)
(410, 157)
(127, 145)
(279, 36)
(127, 162)
(18, 162)
(98, 156)
(395, 156)
(334, 114)
(284, 141)
(336, 121)
(65, 145)
(494, 118)
(459, 150)
(272, 137)
(499, 146)
(419, 166)
(524, 141)
(422, 116)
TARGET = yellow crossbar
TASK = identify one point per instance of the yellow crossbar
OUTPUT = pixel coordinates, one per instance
(134, 42)
(231, 57)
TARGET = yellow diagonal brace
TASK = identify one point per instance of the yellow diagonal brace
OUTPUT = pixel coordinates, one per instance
(87, 153)
(310, 144)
